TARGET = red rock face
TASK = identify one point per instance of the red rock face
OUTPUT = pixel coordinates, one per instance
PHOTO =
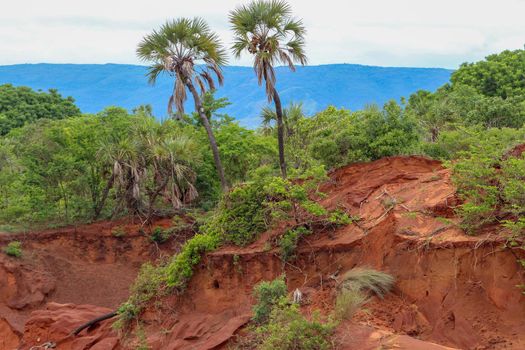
(83, 265)
(452, 290)
(54, 324)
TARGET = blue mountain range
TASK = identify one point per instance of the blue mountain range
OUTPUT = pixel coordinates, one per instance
(96, 86)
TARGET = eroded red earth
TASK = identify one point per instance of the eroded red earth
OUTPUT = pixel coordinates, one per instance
(452, 290)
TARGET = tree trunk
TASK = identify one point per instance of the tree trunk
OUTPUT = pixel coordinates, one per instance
(105, 194)
(280, 131)
(213, 144)
(94, 322)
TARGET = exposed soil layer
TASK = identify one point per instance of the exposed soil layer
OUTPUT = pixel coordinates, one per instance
(452, 290)
(92, 264)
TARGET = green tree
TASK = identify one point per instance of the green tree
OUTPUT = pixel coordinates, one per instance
(500, 74)
(177, 48)
(22, 105)
(267, 30)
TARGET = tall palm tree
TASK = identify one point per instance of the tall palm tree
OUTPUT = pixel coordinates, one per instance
(267, 30)
(189, 51)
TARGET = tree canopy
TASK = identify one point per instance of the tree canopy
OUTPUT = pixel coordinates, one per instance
(22, 105)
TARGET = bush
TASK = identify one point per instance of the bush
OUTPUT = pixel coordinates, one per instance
(490, 183)
(241, 215)
(180, 269)
(267, 295)
(288, 241)
(14, 249)
(288, 329)
(160, 235)
(147, 285)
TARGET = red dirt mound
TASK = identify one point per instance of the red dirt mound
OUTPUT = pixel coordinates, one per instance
(81, 265)
(451, 289)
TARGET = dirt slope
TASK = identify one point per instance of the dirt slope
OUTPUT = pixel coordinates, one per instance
(82, 265)
(452, 290)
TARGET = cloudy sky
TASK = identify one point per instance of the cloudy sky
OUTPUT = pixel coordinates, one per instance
(419, 33)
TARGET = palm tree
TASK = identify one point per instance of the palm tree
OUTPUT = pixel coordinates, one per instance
(267, 30)
(291, 117)
(188, 50)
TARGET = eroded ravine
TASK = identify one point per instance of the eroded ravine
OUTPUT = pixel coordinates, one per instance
(83, 265)
(451, 289)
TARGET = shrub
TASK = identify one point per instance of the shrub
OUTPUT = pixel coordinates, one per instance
(14, 249)
(241, 214)
(160, 235)
(147, 285)
(490, 183)
(267, 295)
(180, 269)
(288, 329)
(289, 240)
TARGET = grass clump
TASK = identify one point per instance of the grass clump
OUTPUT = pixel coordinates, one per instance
(347, 303)
(13, 249)
(118, 232)
(355, 287)
(366, 279)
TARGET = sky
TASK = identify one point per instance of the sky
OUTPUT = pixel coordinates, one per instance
(402, 33)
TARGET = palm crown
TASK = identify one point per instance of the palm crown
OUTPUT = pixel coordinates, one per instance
(186, 49)
(267, 30)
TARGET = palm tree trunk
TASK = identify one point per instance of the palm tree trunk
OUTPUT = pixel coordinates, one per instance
(213, 144)
(280, 131)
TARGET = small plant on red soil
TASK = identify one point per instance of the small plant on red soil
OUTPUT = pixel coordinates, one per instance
(118, 232)
(289, 240)
(354, 288)
(288, 329)
(268, 294)
(160, 235)
(13, 249)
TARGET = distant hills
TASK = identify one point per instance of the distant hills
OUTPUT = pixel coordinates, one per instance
(95, 87)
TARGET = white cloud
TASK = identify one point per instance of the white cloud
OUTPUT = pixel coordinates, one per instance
(379, 32)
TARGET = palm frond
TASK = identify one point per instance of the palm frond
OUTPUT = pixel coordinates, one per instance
(267, 30)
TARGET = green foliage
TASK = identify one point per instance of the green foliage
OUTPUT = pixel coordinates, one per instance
(147, 286)
(180, 269)
(289, 240)
(288, 329)
(267, 294)
(13, 249)
(240, 215)
(336, 138)
(77, 169)
(160, 235)
(499, 75)
(489, 182)
(454, 144)
(243, 150)
(21, 105)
